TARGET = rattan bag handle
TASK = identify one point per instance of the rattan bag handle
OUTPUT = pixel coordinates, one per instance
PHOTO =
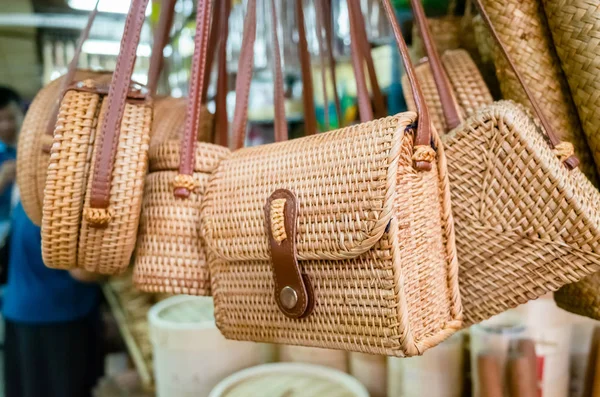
(423, 151)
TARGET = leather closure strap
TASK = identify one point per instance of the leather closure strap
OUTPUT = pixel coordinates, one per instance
(310, 118)
(117, 96)
(423, 135)
(293, 293)
(571, 161)
(450, 108)
(192, 120)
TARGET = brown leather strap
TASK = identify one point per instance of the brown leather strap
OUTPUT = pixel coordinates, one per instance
(70, 75)
(221, 123)
(244, 77)
(161, 38)
(379, 107)
(572, 161)
(280, 121)
(327, 23)
(310, 117)
(117, 95)
(423, 135)
(213, 44)
(364, 100)
(319, 25)
(192, 117)
(450, 107)
(242, 84)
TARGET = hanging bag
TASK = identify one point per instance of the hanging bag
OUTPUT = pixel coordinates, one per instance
(527, 220)
(342, 239)
(98, 162)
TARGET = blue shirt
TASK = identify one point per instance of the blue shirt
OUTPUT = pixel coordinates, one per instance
(34, 293)
(6, 153)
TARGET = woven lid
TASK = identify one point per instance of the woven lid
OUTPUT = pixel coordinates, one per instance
(165, 156)
(183, 312)
(290, 380)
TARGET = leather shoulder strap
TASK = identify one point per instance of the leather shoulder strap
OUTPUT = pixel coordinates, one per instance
(364, 100)
(192, 118)
(327, 24)
(310, 118)
(161, 38)
(320, 15)
(117, 95)
(450, 107)
(221, 122)
(571, 161)
(280, 121)
(423, 135)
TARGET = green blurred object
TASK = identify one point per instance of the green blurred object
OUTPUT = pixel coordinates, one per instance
(430, 5)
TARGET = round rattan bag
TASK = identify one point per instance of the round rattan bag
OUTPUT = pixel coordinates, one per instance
(35, 140)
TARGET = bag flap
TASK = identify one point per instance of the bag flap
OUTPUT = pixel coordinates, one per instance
(343, 181)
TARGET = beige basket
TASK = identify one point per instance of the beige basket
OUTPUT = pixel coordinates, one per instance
(522, 26)
(446, 32)
(97, 167)
(35, 140)
(525, 224)
(468, 84)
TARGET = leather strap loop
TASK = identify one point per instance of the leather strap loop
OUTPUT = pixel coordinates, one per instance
(310, 117)
(192, 118)
(572, 161)
(450, 108)
(423, 135)
(117, 96)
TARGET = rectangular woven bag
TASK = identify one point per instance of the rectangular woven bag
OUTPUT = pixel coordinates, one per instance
(527, 220)
(97, 166)
(575, 28)
(339, 240)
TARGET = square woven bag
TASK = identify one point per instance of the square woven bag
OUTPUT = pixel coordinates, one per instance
(340, 240)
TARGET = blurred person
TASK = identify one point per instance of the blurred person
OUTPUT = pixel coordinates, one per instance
(53, 327)
(11, 117)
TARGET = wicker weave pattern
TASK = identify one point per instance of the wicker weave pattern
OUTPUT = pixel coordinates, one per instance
(67, 177)
(575, 27)
(446, 33)
(169, 117)
(107, 250)
(525, 225)
(469, 87)
(374, 237)
(32, 162)
(170, 254)
(523, 29)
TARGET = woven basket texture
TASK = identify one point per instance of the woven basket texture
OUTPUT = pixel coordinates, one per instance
(375, 239)
(525, 224)
(67, 239)
(469, 87)
(446, 33)
(169, 119)
(32, 161)
(170, 254)
(523, 29)
(575, 27)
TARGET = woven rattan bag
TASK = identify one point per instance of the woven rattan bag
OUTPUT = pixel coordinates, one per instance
(97, 167)
(339, 240)
(575, 27)
(170, 255)
(523, 28)
(526, 222)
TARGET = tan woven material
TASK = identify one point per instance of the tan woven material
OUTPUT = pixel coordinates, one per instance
(469, 87)
(522, 27)
(446, 32)
(375, 239)
(169, 117)
(67, 239)
(170, 254)
(32, 161)
(525, 224)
